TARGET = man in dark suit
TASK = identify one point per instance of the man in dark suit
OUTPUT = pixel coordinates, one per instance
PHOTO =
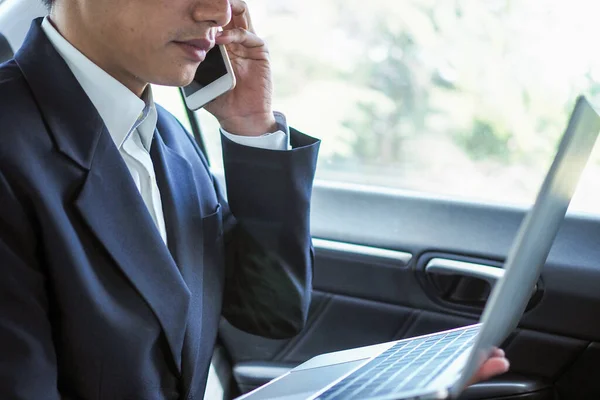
(118, 251)
(101, 297)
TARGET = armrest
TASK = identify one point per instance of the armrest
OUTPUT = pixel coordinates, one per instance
(506, 386)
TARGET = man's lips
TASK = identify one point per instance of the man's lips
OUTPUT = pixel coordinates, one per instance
(196, 49)
(201, 44)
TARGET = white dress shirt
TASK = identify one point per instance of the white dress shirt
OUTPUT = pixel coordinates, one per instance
(131, 121)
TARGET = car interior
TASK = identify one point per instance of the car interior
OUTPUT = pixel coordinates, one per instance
(386, 269)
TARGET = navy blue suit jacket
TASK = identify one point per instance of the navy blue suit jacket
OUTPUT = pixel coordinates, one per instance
(93, 304)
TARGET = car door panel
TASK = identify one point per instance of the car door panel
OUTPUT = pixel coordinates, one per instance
(370, 285)
(580, 380)
(348, 322)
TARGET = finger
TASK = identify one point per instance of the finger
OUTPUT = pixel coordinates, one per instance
(492, 367)
(239, 36)
(240, 15)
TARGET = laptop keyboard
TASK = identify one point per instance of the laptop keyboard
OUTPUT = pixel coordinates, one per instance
(407, 365)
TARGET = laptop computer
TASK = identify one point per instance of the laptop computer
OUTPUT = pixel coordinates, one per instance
(438, 366)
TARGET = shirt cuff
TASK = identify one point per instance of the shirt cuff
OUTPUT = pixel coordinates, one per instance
(279, 140)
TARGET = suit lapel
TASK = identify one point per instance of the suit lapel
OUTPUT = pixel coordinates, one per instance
(109, 202)
(185, 236)
(180, 206)
(113, 208)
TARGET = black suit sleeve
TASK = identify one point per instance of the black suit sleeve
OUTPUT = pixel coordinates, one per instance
(268, 250)
(27, 357)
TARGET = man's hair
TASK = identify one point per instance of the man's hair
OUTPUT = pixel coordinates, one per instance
(48, 3)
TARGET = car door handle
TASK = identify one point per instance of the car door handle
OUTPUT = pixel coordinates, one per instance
(444, 266)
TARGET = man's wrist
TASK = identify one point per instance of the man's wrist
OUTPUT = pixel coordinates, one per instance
(252, 125)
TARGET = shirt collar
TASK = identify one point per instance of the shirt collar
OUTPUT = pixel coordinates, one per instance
(120, 109)
(146, 120)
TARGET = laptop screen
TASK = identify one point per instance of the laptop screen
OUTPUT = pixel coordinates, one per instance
(532, 244)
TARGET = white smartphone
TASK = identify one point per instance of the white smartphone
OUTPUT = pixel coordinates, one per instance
(214, 77)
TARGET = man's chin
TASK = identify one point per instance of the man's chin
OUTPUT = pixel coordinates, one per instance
(178, 79)
(186, 81)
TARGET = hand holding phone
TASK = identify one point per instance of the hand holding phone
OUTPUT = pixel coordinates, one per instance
(247, 109)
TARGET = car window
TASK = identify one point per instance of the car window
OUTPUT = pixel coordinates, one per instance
(462, 99)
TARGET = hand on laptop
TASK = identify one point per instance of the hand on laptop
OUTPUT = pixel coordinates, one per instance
(497, 364)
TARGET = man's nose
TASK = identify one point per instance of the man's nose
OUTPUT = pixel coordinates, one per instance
(217, 12)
